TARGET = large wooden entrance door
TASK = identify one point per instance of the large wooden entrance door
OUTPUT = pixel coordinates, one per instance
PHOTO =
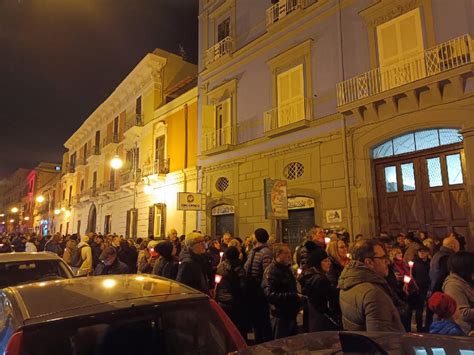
(422, 191)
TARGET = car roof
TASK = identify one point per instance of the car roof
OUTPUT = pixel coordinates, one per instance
(42, 301)
(24, 256)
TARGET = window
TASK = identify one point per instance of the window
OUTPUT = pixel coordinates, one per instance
(112, 180)
(391, 179)
(82, 185)
(408, 177)
(223, 29)
(131, 223)
(116, 128)
(84, 157)
(97, 143)
(67, 228)
(138, 105)
(416, 141)
(160, 148)
(434, 172)
(157, 220)
(293, 170)
(454, 167)
(70, 195)
(108, 224)
(79, 227)
(290, 96)
(223, 123)
(222, 184)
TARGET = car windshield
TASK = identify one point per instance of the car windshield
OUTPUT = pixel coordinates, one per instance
(26, 271)
(184, 327)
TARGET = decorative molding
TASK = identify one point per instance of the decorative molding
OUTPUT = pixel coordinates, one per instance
(384, 11)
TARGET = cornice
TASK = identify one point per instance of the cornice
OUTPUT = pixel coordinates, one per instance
(383, 11)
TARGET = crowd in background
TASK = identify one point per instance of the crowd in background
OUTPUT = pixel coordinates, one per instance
(404, 283)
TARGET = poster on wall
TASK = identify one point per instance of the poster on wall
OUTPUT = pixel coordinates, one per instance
(189, 201)
(276, 199)
(333, 216)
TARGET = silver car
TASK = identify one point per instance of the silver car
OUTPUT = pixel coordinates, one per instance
(23, 268)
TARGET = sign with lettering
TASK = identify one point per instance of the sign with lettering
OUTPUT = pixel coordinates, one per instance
(276, 199)
(333, 216)
(189, 201)
(300, 202)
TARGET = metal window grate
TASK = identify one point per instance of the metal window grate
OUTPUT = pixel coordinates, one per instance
(293, 170)
(222, 184)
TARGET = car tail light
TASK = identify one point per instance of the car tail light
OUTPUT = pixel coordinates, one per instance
(234, 333)
(14, 344)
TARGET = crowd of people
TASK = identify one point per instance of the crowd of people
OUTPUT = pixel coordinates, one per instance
(371, 284)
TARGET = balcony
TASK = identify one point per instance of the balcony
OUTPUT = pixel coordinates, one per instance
(112, 139)
(126, 176)
(428, 71)
(135, 120)
(282, 9)
(292, 116)
(219, 50)
(159, 167)
(218, 140)
(68, 168)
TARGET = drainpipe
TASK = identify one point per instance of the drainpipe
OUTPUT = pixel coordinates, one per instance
(185, 159)
(344, 130)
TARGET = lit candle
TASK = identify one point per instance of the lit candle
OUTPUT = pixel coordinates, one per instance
(221, 254)
(299, 271)
(327, 240)
(348, 255)
(410, 264)
(406, 279)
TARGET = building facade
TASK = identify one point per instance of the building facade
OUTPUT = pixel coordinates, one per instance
(148, 124)
(363, 107)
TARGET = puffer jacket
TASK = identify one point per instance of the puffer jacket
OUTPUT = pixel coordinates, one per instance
(258, 261)
(365, 300)
(193, 270)
(445, 327)
(439, 268)
(230, 290)
(463, 293)
(279, 286)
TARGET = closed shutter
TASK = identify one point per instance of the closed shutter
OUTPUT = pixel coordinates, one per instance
(290, 96)
(135, 223)
(208, 127)
(127, 225)
(160, 148)
(151, 220)
(224, 122)
(401, 50)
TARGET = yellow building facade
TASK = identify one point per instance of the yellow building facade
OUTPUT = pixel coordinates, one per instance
(148, 124)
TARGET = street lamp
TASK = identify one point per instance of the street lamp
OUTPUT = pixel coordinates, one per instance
(14, 209)
(116, 163)
(40, 199)
(26, 218)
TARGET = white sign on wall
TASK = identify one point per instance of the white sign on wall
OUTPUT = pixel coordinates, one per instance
(333, 216)
(189, 201)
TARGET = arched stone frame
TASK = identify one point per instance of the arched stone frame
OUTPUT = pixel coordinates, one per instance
(217, 202)
(362, 177)
(92, 219)
(297, 191)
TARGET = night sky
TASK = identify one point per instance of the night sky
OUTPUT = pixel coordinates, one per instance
(60, 59)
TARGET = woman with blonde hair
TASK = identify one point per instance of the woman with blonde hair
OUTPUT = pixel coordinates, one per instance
(338, 255)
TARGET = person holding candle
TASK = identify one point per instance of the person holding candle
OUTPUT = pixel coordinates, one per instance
(412, 245)
(421, 274)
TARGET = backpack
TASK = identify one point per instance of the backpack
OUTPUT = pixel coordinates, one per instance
(76, 257)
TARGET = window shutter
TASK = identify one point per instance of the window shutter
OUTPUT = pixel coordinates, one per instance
(227, 121)
(297, 93)
(290, 95)
(208, 127)
(135, 223)
(151, 220)
(127, 225)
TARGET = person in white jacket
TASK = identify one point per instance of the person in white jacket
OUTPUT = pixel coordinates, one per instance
(86, 256)
(30, 246)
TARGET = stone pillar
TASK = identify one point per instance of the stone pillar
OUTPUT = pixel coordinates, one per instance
(468, 134)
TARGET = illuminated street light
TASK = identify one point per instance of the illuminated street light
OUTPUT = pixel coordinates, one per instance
(68, 214)
(40, 199)
(147, 189)
(116, 163)
(2, 214)
(26, 218)
(14, 210)
(12, 220)
(57, 211)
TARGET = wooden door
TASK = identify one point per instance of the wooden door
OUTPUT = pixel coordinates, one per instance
(422, 191)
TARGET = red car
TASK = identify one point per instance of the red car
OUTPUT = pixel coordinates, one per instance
(120, 314)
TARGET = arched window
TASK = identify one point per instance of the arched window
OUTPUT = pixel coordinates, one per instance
(415, 141)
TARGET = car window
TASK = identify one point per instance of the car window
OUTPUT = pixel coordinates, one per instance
(175, 328)
(20, 272)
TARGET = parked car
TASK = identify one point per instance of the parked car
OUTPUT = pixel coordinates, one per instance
(335, 342)
(120, 314)
(22, 268)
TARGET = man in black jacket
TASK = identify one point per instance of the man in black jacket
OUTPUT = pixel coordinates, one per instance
(421, 274)
(110, 264)
(439, 264)
(279, 285)
(194, 267)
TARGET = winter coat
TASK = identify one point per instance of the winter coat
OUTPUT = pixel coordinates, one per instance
(129, 257)
(70, 245)
(86, 256)
(446, 327)
(166, 268)
(30, 247)
(439, 268)
(322, 300)
(421, 274)
(258, 261)
(145, 262)
(463, 293)
(335, 272)
(214, 256)
(96, 251)
(193, 270)
(230, 290)
(116, 268)
(411, 252)
(53, 247)
(365, 300)
(279, 286)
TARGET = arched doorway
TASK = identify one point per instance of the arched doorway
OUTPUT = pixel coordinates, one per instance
(300, 220)
(223, 217)
(419, 179)
(92, 219)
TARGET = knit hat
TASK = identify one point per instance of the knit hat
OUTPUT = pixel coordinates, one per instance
(193, 238)
(84, 238)
(164, 248)
(261, 235)
(315, 257)
(443, 305)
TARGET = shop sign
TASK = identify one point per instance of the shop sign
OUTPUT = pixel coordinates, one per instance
(223, 210)
(333, 216)
(300, 202)
(276, 199)
(189, 201)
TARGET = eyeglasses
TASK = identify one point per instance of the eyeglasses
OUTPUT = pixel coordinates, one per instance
(380, 257)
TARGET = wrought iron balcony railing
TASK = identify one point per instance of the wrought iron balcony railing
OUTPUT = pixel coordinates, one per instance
(135, 120)
(111, 139)
(443, 57)
(300, 109)
(219, 50)
(281, 9)
(217, 138)
(158, 167)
